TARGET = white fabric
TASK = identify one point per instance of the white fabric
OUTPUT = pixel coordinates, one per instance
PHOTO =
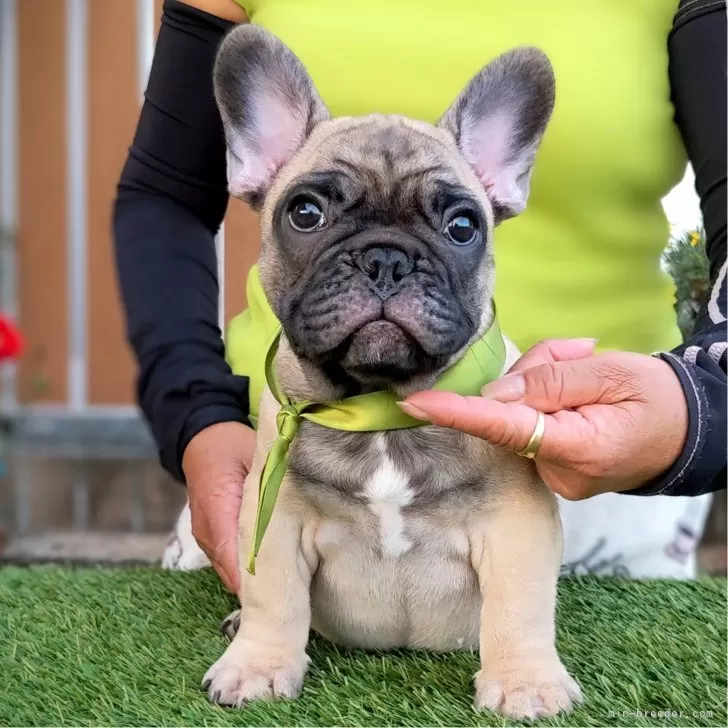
(608, 535)
(633, 536)
(182, 552)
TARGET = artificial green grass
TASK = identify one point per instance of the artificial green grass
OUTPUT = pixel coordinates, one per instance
(128, 647)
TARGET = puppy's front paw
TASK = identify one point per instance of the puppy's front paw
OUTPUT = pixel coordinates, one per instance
(532, 688)
(249, 671)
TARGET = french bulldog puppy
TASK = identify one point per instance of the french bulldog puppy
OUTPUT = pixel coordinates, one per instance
(377, 258)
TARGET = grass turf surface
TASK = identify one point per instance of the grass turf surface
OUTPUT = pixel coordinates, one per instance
(128, 647)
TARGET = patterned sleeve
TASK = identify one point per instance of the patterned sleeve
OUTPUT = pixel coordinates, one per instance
(697, 49)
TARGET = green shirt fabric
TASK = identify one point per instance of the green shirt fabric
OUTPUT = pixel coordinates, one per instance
(584, 259)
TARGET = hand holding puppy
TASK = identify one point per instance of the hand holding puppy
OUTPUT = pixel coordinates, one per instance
(613, 421)
(216, 463)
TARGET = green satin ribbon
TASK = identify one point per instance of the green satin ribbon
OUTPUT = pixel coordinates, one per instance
(375, 412)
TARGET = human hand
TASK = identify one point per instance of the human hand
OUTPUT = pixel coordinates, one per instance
(613, 421)
(215, 463)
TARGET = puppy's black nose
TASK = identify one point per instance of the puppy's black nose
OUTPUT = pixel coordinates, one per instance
(386, 267)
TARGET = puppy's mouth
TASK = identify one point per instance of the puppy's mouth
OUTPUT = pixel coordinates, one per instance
(381, 351)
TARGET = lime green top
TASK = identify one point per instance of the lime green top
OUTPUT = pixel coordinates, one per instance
(583, 260)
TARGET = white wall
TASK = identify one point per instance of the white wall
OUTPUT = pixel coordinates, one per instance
(682, 206)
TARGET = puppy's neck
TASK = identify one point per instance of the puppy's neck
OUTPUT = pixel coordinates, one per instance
(300, 379)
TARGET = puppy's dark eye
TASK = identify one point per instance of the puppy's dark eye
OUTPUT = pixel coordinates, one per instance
(462, 229)
(305, 215)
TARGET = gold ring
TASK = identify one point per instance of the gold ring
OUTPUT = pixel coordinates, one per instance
(534, 444)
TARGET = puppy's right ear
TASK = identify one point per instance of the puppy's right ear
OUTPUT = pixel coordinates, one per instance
(498, 122)
(268, 106)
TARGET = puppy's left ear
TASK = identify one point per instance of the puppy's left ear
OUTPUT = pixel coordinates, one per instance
(268, 105)
(498, 122)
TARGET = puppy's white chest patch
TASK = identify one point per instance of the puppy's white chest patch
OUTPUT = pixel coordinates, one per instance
(388, 493)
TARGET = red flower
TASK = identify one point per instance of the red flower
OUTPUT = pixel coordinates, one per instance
(11, 343)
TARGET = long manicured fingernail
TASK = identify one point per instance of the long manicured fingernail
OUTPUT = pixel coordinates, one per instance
(413, 411)
(506, 389)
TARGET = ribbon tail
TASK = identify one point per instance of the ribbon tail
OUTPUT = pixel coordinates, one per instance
(268, 489)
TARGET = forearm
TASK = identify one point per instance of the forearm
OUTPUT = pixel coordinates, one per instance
(166, 263)
(171, 200)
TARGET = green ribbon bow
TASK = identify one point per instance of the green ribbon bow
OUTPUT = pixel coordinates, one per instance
(375, 412)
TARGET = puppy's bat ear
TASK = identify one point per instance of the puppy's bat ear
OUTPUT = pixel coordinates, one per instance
(498, 122)
(268, 106)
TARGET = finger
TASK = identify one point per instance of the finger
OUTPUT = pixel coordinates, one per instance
(555, 386)
(226, 564)
(552, 350)
(505, 425)
(225, 558)
(221, 570)
(217, 536)
(223, 504)
(224, 578)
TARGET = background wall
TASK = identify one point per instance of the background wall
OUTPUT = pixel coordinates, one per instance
(80, 67)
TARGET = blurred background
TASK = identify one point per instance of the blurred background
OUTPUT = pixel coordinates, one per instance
(79, 479)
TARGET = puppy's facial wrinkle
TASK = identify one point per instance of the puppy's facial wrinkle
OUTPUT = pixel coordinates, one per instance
(330, 184)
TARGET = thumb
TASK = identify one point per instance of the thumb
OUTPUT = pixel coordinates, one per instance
(561, 385)
(554, 350)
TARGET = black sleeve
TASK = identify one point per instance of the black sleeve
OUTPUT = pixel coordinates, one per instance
(697, 48)
(171, 200)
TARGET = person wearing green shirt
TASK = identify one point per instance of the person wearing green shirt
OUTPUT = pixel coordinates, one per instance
(630, 409)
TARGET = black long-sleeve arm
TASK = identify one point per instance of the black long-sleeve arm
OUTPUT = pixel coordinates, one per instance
(171, 200)
(697, 48)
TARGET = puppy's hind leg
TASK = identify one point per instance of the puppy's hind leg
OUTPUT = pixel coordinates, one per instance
(516, 552)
